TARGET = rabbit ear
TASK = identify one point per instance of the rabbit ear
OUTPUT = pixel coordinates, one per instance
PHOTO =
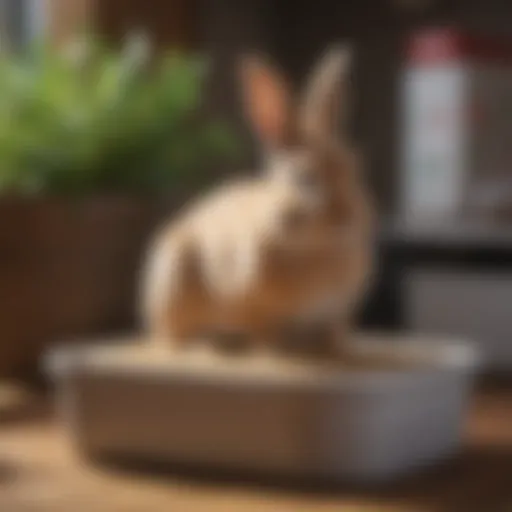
(267, 100)
(325, 95)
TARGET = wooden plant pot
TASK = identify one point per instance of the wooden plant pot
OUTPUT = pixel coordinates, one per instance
(67, 268)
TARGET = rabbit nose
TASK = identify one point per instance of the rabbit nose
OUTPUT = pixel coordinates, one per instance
(295, 218)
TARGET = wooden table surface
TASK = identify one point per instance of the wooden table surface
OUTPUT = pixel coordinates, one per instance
(40, 472)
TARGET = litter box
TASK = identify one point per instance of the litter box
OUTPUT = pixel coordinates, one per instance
(283, 417)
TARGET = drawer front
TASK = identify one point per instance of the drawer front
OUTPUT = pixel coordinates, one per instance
(476, 305)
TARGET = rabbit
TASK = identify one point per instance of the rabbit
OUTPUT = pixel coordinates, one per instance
(291, 245)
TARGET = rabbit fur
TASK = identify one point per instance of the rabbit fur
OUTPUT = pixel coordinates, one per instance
(290, 245)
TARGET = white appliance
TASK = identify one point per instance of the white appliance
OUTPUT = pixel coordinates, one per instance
(456, 125)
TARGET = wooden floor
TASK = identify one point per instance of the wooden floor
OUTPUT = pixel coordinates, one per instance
(39, 472)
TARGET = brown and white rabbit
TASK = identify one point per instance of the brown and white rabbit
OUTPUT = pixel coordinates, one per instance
(291, 245)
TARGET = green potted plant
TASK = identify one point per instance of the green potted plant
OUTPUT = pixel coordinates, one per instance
(93, 141)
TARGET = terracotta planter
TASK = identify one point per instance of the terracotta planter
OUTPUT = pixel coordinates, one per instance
(67, 269)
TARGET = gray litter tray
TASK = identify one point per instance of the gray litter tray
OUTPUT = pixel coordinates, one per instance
(277, 417)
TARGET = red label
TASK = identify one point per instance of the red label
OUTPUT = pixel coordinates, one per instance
(444, 45)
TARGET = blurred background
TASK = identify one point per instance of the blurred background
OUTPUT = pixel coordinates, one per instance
(102, 137)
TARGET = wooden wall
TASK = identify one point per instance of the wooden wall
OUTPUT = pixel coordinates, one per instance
(170, 22)
(66, 17)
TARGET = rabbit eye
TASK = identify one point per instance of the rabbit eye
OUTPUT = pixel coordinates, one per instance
(307, 180)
